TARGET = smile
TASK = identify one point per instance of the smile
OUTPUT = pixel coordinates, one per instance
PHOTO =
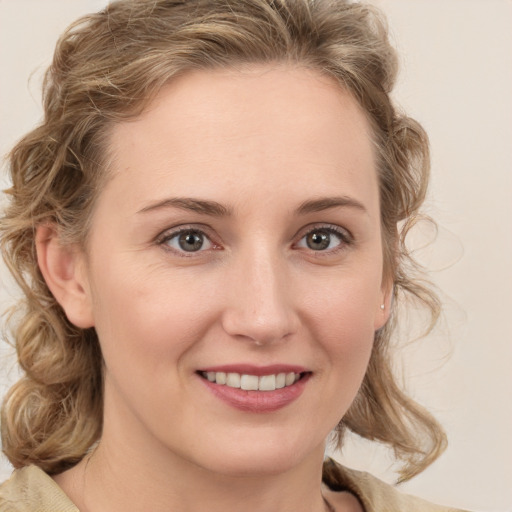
(249, 382)
(256, 389)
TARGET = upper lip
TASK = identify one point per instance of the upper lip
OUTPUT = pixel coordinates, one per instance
(250, 369)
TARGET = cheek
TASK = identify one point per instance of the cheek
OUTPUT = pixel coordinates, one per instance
(151, 315)
(344, 305)
(340, 328)
(341, 319)
(348, 340)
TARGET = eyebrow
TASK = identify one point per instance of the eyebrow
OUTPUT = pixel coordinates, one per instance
(190, 204)
(325, 203)
(216, 209)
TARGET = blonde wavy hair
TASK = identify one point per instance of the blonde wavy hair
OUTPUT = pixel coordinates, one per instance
(106, 68)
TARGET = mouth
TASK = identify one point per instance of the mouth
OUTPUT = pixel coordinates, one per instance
(249, 382)
(256, 389)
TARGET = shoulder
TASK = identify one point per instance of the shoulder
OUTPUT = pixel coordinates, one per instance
(31, 490)
(374, 494)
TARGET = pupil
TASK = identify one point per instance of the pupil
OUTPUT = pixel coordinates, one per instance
(191, 241)
(318, 240)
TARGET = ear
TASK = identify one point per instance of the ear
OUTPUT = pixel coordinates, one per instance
(63, 268)
(384, 307)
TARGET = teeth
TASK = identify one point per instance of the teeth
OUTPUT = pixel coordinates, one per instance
(253, 382)
(267, 383)
(249, 382)
(232, 380)
(290, 379)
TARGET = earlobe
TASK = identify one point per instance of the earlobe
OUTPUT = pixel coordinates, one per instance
(63, 269)
(384, 308)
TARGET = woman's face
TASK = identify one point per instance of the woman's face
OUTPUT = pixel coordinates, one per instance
(237, 243)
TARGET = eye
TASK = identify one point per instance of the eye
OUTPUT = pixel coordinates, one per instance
(324, 239)
(187, 240)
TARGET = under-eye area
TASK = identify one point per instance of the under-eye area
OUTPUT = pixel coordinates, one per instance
(249, 382)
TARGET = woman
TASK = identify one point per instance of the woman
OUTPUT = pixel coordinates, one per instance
(205, 229)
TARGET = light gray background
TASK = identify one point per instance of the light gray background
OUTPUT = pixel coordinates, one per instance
(456, 80)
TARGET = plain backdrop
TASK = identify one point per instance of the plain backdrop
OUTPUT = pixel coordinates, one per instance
(456, 79)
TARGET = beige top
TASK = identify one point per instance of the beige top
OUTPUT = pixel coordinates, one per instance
(31, 490)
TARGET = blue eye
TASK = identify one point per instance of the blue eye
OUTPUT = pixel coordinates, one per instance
(323, 239)
(188, 240)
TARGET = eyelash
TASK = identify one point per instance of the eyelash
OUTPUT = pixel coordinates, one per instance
(345, 239)
(344, 236)
(164, 239)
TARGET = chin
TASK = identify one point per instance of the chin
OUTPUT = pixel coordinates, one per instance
(269, 457)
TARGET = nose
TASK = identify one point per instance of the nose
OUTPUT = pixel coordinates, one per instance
(259, 305)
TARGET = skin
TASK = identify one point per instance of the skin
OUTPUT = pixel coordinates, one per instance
(261, 142)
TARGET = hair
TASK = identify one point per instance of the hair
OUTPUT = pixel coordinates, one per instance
(106, 68)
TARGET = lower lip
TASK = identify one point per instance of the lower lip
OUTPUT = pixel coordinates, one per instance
(257, 401)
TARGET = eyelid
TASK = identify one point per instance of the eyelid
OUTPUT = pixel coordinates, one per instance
(344, 234)
(170, 233)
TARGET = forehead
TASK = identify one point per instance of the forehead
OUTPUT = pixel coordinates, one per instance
(268, 128)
